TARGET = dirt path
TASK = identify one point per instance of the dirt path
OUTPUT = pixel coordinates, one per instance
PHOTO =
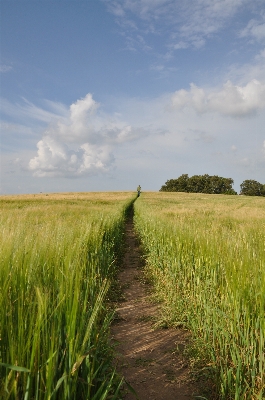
(151, 360)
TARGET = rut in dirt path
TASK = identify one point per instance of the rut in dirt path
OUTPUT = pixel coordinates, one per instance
(151, 361)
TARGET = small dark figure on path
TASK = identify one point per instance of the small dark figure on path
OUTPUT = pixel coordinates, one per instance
(139, 190)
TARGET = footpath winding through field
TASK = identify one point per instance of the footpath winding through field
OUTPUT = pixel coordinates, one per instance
(151, 361)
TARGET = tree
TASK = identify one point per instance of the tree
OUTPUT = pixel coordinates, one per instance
(200, 184)
(250, 187)
(176, 185)
(219, 185)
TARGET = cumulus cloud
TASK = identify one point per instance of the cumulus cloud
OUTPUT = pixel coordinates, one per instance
(231, 100)
(81, 142)
(55, 158)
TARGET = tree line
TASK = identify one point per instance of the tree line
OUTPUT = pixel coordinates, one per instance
(212, 184)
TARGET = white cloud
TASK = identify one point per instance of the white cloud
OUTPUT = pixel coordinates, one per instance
(202, 19)
(28, 110)
(5, 68)
(168, 9)
(82, 108)
(255, 29)
(191, 23)
(158, 68)
(261, 56)
(146, 9)
(55, 158)
(116, 8)
(194, 141)
(231, 100)
(244, 73)
(12, 128)
(82, 142)
(180, 45)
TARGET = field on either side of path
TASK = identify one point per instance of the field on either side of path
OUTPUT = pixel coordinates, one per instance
(58, 257)
(206, 256)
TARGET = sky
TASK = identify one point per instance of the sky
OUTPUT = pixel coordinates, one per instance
(104, 95)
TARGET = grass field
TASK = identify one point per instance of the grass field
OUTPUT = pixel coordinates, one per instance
(58, 257)
(206, 257)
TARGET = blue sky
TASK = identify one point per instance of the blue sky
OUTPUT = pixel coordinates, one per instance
(104, 95)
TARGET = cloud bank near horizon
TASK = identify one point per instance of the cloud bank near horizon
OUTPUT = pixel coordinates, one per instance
(230, 100)
(84, 141)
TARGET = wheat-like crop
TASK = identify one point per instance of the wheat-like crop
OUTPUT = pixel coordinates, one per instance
(58, 255)
(206, 256)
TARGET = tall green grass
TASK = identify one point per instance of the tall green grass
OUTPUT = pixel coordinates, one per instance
(206, 255)
(58, 257)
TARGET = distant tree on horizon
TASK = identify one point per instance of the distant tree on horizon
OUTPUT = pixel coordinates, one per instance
(200, 184)
(250, 187)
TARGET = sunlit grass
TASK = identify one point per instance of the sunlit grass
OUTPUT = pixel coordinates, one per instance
(206, 255)
(58, 255)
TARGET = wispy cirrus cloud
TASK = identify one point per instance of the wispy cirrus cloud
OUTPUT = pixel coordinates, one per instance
(201, 20)
(246, 72)
(184, 24)
(255, 29)
(28, 110)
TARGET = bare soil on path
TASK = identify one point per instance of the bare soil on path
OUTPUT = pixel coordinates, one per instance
(151, 360)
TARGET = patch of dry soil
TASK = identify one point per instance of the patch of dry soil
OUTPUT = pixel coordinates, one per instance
(151, 361)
